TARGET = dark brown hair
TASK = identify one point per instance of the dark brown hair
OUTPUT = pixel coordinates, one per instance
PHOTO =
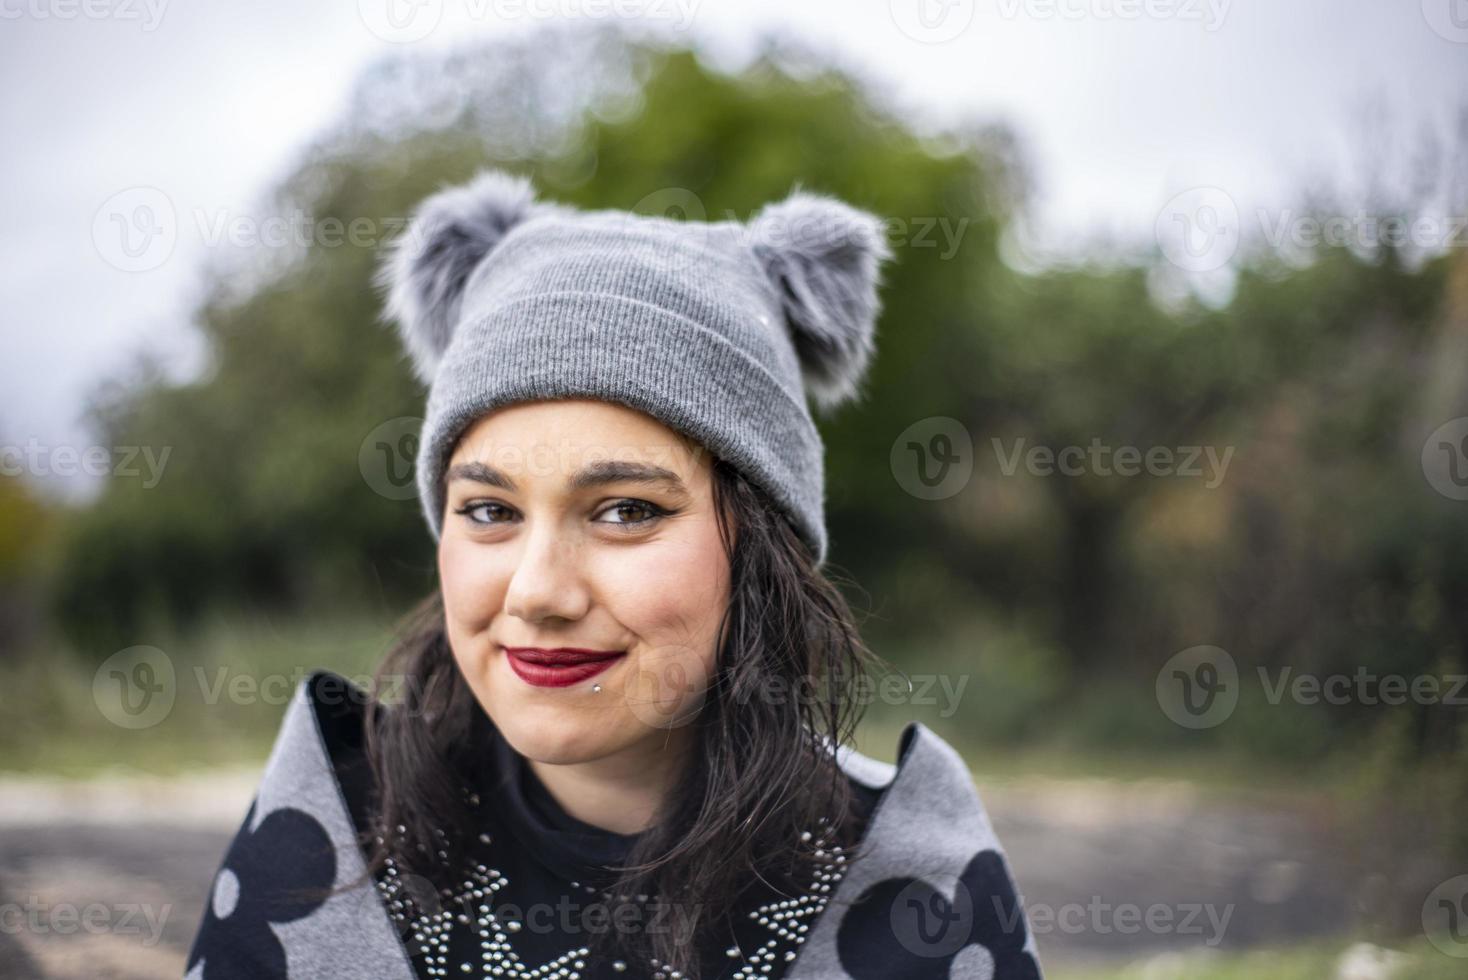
(762, 770)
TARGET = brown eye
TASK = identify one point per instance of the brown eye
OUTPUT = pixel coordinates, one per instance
(632, 513)
(483, 512)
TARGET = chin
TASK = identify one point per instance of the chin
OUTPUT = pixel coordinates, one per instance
(555, 735)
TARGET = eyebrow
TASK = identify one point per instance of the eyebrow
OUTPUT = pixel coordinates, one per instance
(592, 475)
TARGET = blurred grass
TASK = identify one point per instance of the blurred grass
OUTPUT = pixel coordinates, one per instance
(56, 727)
(1313, 962)
(1001, 721)
(1004, 721)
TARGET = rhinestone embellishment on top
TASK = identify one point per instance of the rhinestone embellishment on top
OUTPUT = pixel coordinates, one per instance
(790, 919)
(472, 906)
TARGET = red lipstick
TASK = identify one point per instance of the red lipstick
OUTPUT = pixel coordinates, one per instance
(560, 667)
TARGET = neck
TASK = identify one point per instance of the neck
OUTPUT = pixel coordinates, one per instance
(622, 793)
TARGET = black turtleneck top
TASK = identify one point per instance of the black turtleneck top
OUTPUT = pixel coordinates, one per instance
(532, 894)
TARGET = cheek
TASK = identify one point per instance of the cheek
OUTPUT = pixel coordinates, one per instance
(674, 606)
(473, 586)
(672, 598)
(667, 601)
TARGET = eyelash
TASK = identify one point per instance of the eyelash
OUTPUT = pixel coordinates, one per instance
(652, 509)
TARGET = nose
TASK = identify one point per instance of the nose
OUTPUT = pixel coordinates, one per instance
(547, 583)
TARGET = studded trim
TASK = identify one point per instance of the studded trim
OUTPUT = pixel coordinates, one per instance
(430, 923)
(790, 919)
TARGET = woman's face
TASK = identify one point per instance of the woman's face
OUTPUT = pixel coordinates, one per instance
(584, 525)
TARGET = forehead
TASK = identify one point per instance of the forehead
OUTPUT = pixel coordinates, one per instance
(568, 435)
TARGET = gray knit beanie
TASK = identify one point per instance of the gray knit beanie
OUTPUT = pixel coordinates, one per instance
(720, 330)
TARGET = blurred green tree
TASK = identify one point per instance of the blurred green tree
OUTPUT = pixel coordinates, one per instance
(1321, 545)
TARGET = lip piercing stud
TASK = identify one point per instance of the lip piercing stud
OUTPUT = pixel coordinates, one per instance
(595, 688)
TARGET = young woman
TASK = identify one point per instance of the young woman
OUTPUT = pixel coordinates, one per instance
(614, 742)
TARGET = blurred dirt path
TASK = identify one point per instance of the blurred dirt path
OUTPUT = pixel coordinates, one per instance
(107, 878)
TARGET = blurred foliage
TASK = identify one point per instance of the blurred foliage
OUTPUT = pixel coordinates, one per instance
(1416, 960)
(25, 559)
(1323, 548)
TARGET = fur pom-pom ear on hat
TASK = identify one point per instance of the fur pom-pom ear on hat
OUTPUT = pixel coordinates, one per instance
(824, 257)
(427, 267)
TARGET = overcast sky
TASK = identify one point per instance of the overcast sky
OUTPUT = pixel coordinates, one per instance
(1122, 106)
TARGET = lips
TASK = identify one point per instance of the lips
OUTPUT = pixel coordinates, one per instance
(560, 667)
